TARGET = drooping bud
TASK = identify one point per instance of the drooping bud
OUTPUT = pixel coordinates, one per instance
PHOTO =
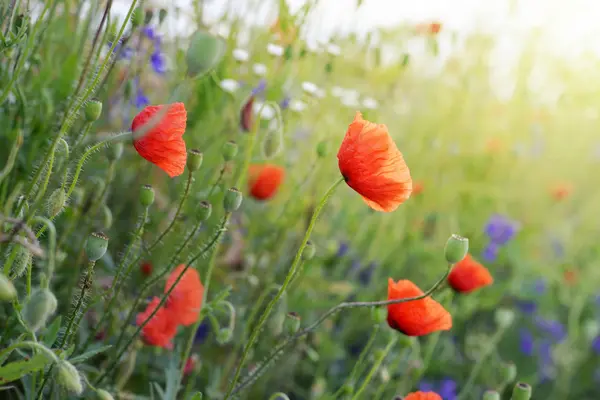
(309, 251)
(194, 160)
(162, 14)
(456, 249)
(23, 260)
(291, 323)
(107, 217)
(224, 335)
(522, 391)
(96, 246)
(7, 289)
(504, 317)
(40, 306)
(508, 372)
(230, 150)
(68, 377)
(204, 210)
(104, 395)
(93, 110)
(115, 151)
(147, 195)
(137, 17)
(378, 314)
(272, 143)
(323, 149)
(204, 53)
(233, 200)
(491, 395)
(56, 202)
(247, 115)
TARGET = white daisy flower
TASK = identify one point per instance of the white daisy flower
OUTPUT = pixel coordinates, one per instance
(259, 69)
(310, 88)
(240, 55)
(334, 49)
(320, 93)
(230, 85)
(337, 91)
(370, 103)
(275, 50)
(297, 105)
(268, 112)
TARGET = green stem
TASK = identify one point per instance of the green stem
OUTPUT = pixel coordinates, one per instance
(375, 367)
(51, 250)
(28, 344)
(284, 286)
(12, 156)
(86, 284)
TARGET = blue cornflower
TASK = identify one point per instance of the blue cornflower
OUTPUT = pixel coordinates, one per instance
(426, 386)
(490, 252)
(202, 332)
(365, 274)
(447, 389)
(285, 103)
(262, 85)
(527, 306)
(149, 32)
(157, 60)
(540, 286)
(596, 345)
(553, 328)
(141, 100)
(354, 267)
(526, 342)
(342, 249)
(500, 229)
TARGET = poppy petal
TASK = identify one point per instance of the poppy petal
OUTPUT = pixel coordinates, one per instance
(469, 275)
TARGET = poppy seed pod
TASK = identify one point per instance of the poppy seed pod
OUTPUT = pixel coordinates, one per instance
(233, 200)
(291, 323)
(68, 377)
(7, 289)
(309, 251)
(56, 202)
(147, 195)
(521, 391)
(104, 395)
(204, 210)
(96, 246)
(491, 395)
(22, 261)
(504, 317)
(230, 150)
(204, 53)
(194, 160)
(40, 306)
(456, 248)
(93, 110)
(115, 151)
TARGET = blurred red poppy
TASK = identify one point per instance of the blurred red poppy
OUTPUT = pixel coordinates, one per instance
(469, 275)
(161, 328)
(423, 396)
(185, 301)
(264, 180)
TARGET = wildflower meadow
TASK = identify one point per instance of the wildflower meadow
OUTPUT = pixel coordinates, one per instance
(227, 210)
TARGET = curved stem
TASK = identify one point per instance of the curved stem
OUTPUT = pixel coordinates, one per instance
(10, 162)
(51, 248)
(34, 345)
(375, 367)
(284, 286)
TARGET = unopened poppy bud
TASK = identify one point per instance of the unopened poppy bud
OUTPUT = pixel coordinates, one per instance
(115, 151)
(194, 160)
(204, 210)
(104, 395)
(309, 251)
(162, 14)
(491, 395)
(137, 17)
(522, 391)
(93, 110)
(224, 335)
(22, 261)
(204, 53)
(96, 246)
(378, 314)
(291, 323)
(56, 202)
(68, 377)
(272, 143)
(7, 289)
(230, 150)
(504, 317)
(456, 249)
(508, 372)
(147, 195)
(40, 306)
(348, 389)
(148, 16)
(107, 217)
(233, 200)
(322, 149)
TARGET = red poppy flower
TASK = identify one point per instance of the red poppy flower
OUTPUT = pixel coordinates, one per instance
(146, 268)
(417, 317)
(373, 166)
(162, 144)
(161, 328)
(247, 116)
(417, 188)
(264, 180)
(468, 275)
(185, 301)
(561, 191)
(423, 396)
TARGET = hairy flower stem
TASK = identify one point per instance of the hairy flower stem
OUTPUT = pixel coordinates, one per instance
(292, 271)
(329, 313)
(375, 367)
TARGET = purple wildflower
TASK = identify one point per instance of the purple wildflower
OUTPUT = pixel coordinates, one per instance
(447, 389)
(546, 363)
(526, 342)
(149, 32)
(500, 229)
(157, 60)
(552, 328)
(527, 306)
(202, 332)
(490, 253)
(365, 274)
(539, 286)
(260, 88)
(426, 386)
(342, 249)
(285, 103)
(596, 345)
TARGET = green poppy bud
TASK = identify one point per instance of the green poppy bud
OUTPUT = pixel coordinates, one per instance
(233, 200)
(137, 17)
(491, 395)
(521, 391)
(194, 160)
(204, 210)
(230, 150)
(323, 149)
(309, 251)
(272, 143)
(68, 377)
(93, 110)
(77, 196)
(115, 151)
(40, 306)
(456, 249)
(107, 217)
(378, 314)
(56, 202)
(147, 195)
(7, 289)
(291, 323)
(104, 395)
(204, 53)
(23, 260)
(224, 335)
(96, 246)
(508, 372)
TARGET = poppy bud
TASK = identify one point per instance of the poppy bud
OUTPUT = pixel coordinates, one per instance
(107, 217)
(147, 195)
(148, 16)
(115, 151)
(456, 248)
(522, 391)
(233, 200)
(162, 14)
(309, 251)
(128, 89)
(104, 395)
(230, 150)
(137, 17)
(77, 196)
(68, 377)
(96, 246)
(22, 261)
(56, 202)
(194, 160)
(508, 372)
(322, 149)
(204, 53)
(273, 141)
(291, 323)
(224, 335)
(93, 110)
(504, 317)
(40, 306)
(204, 211)
(7, 289)
(491, 395)
(247, 115)
(378, 314)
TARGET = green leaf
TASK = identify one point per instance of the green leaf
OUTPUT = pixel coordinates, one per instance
(89, 354)
(197, 396)
(52, 332)
(15, 370)
(159, 390)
